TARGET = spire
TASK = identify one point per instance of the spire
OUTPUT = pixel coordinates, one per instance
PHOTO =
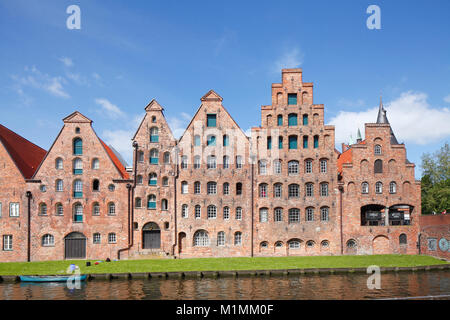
(382, 119)
(351, 141)
(358, 137)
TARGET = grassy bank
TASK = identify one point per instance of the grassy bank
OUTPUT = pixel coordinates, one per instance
(217, 264)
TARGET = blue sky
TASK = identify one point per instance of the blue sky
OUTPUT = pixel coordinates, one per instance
(129, 52)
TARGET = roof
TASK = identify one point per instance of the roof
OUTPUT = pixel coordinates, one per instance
(382, 119)
(116, 161)
(26, 155)
(346, 157)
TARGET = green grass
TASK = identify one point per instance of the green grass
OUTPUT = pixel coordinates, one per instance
(217, 264)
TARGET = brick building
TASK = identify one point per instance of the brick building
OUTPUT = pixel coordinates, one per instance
(215, 192)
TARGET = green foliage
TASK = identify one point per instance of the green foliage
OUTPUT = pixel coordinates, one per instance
(436, 181)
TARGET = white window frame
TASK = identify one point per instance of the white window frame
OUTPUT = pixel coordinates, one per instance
(7, 242)
(14, 209)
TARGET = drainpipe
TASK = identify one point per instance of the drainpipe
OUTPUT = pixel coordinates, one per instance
(341, 191)
(175, 241)
(131, 204)
(252, 204)
(29, 196)
(418, 242)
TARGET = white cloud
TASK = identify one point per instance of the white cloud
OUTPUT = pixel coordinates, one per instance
(412, 119)
(121, 141)
(292, 58)
(66, 61)
(36, 79)
(178, 124)
(447, 98)
(107, 108)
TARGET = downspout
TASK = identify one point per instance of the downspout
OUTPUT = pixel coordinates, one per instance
(252, 203)
(29, 196)
(418, 242)
(131, 204)
(341, 191)
(175, 242)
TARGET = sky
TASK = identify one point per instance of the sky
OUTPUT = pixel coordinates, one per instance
(129, 52)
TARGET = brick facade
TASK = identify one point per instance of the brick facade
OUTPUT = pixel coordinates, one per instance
(215, 192)
(435, 235)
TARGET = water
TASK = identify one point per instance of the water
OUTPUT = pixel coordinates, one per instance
(340, 286)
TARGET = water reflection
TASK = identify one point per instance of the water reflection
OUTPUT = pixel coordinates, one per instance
(317, 287)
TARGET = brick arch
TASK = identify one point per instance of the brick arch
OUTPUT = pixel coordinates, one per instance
(380, 245)
(351, 189)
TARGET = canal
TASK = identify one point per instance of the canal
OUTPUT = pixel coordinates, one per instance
(337, 286)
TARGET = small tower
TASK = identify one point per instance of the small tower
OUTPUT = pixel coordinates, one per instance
(382, 119)
(358, 137)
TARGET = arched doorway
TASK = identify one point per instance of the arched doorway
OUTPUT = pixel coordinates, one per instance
(380, 245)
(151, 236)
(181, 242)
(75, 246)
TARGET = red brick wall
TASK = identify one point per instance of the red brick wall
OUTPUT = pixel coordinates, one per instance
(434, 227)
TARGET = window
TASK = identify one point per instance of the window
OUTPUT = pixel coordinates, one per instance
(226, 162)
(111, 209)
(197, 187)
(277, 190)
(263, 215)
(278, 215)
(165, 181)
(308, 166)
(238, 188)
(309, 189)
(324, 214)
(324, 189)
(292, 119)
(95, 164)
(152, 179)
(43, 188)
(96, 238)
(294, 191)
(432, 244)
(141, 156)
(7, 242)
(153, 119)
(305, 119)
(211, 140)
(316, 142)
(48, 240)
(166, 158)
(77, 130)
(184, 162)
(392, 187)
(310, 244)
(269, 143)
(77, 166)
(226, 140)
(59, 163)
(0, 209)
(402, 239)
(294, 244)
(164, 204)
(294, 215)
(201, 239)
(151, 202)
(43, 209)
(277, 167)
(226, 188)
(378, 187)
(292, 142)
(112, 237)
(280, 143)
(378, 166)
(305, 142)
(184, 187)
(264, 245)
(211, 212)
(238, 238)
(309, 214)
(263, 190)
(14, 209)
(154, 155)
(323, 166)
(212, 188)
(210, 120)
(238, 162)
(184, 211)
(221, 238)
(377, 150)
(59, 185)
(226, 213)
(211, 162)
(238, 213)
(95, 185)
(278, 244)
(351, 244)
(59, 209)
(197, 212)
(292, 167)
(138, 203)
(96, 209)
(78, 212)
(196, 141)
(154, 137)
(325, 244)
(77, 146)
(292, 98)
(364, 188)
(263, 167)
(139, 179)
(111, 187)
(280, 120)
(196, 163)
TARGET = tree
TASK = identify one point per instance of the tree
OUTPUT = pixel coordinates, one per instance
(436, 181)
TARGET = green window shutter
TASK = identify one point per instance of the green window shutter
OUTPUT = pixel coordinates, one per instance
(305, 119)
(153, 160)
(211, 120)
(292, 99)
(269, 143)
(316, 142)
(305, 142)
(292, 119)
(78, 146)
(211, 141)
(293, 142)
(226, 140)
(280, 142)
(280, 120)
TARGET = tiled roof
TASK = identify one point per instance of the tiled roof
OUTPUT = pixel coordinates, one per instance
(116, 161)
(26, 155)
(346, 157)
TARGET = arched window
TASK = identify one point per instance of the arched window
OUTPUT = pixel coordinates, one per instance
(293, 167)
(211, 140)
(269, 143)
(43, 209)
(277, 190)
(96, 209)
(226, 188)
(308, 166)
(196, 140)
(226, 213)
(294, 244)
(280, 142)
(196, 162)
(154, 154)
(139, 179)
(238, 213)
(211, 187)
(152, 179)
(78, 212)
(59, 163)
(294, 191)
(323, 165)
(111, 209)
(310, 244)
(309, 214)
(279, 120)
(59, 209)
(151, 202)
(263, 215)
(226, 162)
(77, 146)
(278, 244)
(212, 212)
(324, 214)
(220, 238)
(198, 211)
(377, 150)
(138, 203)
(378, 187)
(305, 119)
(294, 215)
(226, 140)
(59, 185)
(95, 185)
(140, 156)
(324, 189)
(309, 189)
(364, 188)
(378, 166)
(154, 137)
(305, 142)
(238, 188)
(392, 187)
(184, 211)
(316, 142)
(402, 239)
(238, 162)
(292, 119)
(166, 157)
(201, 238)
(77, 166)
(262, 167)
(237, 238)
(292, 142)
(264, 245)
(95, 164)
(77, 189)
(211, 162)
(184, 187)
(263, 190)
(278, 214)
(164, 204)
(277, 167)
(48, 240)
(197, 187)
(325, 244)
(351, 244)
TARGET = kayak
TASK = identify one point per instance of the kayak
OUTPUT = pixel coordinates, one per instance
(51, 278)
